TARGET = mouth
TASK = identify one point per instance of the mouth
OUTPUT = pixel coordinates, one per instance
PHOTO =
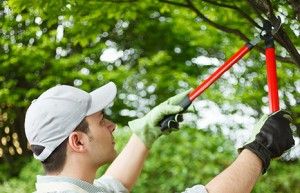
(113, 140)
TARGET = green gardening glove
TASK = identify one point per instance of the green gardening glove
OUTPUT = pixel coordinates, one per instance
(147, 128)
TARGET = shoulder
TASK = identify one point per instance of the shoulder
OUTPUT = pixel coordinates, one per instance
(110, 184)
(59, 184)
(196, 189)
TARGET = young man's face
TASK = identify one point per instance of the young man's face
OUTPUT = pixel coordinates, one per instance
(101, 143)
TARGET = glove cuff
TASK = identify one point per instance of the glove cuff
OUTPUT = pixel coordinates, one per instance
(262, 152)
(145, 132)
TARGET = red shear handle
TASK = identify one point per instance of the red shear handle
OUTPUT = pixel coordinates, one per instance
(272, 79)
(221, 70)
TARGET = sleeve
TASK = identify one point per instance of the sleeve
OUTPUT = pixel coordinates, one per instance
(110, 184)
(196, 189)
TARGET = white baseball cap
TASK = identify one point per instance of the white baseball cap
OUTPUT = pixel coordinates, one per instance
(52, 117)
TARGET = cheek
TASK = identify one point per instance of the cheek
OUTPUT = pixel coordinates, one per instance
(103, 135)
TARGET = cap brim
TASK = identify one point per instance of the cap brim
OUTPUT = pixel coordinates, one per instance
(102, 97)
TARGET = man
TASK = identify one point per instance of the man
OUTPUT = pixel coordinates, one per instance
(69, 133)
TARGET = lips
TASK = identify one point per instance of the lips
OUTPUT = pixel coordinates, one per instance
(113, 139)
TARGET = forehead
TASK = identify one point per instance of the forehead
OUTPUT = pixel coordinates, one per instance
(98, 115)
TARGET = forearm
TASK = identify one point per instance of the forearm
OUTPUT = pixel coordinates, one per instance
(239, 177)
(129, 163)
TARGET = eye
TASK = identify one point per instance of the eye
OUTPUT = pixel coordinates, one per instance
(102, 120)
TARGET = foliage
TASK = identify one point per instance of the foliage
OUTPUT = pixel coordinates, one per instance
(44, 43)
(26, 179)
(178, 161)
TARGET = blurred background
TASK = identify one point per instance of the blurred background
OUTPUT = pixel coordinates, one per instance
(152, 49)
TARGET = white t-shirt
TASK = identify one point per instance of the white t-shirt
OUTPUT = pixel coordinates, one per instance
(105, 184)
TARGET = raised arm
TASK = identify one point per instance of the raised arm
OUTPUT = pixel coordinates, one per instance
(239, 177)
(272, 136)
(129, 163)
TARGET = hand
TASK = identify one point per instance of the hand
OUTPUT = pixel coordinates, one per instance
(147, 128)
(272, 137)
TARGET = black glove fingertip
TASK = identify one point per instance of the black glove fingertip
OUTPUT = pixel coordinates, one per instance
(173, 124)
(178, 117)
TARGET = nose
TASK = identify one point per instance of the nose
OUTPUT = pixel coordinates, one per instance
(110, 125)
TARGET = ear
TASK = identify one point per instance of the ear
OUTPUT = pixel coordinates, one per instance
(78, 142)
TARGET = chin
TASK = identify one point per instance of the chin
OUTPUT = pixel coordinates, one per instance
(114, 155)
(109, 158)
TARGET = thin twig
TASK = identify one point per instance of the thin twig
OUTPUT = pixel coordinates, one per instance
(257, 11)
(296, 7)
(216, 25)
(270, 7)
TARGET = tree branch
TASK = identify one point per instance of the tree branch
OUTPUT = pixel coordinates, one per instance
(288, 45)
(175, 3)
(281, 37)
(278, 57)
(296, 6)
(240, 11)
(270, 8)
(236, 32)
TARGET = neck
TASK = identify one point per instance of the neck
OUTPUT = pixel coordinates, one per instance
(81, 171)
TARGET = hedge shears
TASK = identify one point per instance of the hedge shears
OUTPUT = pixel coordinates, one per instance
(268, 30)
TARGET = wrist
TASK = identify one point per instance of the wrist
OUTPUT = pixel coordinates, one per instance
(256, 161)
(139, 142)
(261, 152)
(144, 131)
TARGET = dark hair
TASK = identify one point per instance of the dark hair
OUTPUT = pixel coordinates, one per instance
(56, 161)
